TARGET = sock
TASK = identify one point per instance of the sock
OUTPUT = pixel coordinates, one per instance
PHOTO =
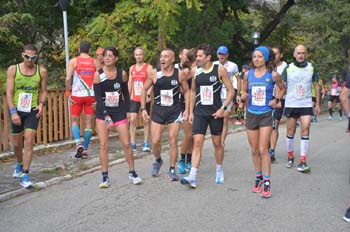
(24, 171)
(189, 157)
(193, 173)
(330, 110)
(218, 167)
(159, 160)
(340, 113)
(87, 137)
(76, 133)
(290, 145)
(183, 157)
(258, 175)
(304, 147)
(104, 176)
(266, 178)
(132, 173)
(171, 169)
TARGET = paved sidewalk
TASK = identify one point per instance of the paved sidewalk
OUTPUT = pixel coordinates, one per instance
(57, 164)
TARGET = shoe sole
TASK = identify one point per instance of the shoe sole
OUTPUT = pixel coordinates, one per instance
(266, 196)
(17, 175)
(136, 182)
(308, 170)
(185, 182)
(104, 186)
(26, 186)
(346, 219)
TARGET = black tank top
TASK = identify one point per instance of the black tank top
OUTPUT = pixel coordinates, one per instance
(111, 94)
(167, 89)
(208, 89)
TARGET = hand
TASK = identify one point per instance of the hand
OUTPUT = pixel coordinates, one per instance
(185, 115)
(109, 122)
(317, 110)
(274, 103)
(71, 100)
(145, 115)
(39, 108)
(93, 105)
(16, 119)
(219, 113)
(190, 118)
(238, 99)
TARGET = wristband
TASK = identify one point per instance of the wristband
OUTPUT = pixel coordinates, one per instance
(68, 93)
(12, 110)
(44, 103)
(277, 100)
(224, 107)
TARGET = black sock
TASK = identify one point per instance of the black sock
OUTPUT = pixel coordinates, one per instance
(104, 176)
(171, 168)
(159, 160)
(25, 171)
(133, 173)
(183, 157)
(340, 113)
(330, 110)
(189, 157)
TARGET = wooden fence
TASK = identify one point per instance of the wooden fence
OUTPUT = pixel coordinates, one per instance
(54, 125)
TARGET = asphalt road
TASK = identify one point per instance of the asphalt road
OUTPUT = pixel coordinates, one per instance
(299, 202)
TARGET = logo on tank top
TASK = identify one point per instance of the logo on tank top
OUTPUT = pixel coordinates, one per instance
(174, 82)
(267, 79)
(116, 86)
(212, 78)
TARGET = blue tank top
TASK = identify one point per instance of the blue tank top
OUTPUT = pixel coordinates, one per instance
(260, 92)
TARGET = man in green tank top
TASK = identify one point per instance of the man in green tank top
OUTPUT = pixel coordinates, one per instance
(26, 95)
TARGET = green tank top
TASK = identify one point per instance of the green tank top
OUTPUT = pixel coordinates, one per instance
(27, 84)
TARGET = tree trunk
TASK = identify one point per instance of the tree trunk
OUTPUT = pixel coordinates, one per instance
(345, 45)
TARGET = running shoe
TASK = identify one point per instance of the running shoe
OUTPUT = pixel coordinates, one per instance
(341, 118)
(257, 187)
(272, 155)
(25, 181)
(188, 166)
(172, 175)
(330, 118)
(133, 147)
(266, 192)
(187, 180)
(181, 169)
(219, 176)
(79, 153)
(135, 178)
(290, 162)
(105, 183)
(18, 171)
(85, 154)
(146, 147)
(347, 215)
(156, 168)
(303, 167)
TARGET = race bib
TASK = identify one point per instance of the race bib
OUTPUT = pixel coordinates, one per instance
(24, 102)
(300, 91)
(112, 99)
(138, 85)
(258, 95)
(207, 95)
(223, 93)
(334, 92)
(166, 97)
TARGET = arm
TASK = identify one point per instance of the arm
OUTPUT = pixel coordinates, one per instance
(317, 91)
(130, 82)
(147, 85)
(280, 92)
(185, 89)
(125, 91)
(10, 85)
(230, 92)
(192, 95)
(70, 72)
(43, 91)
(150, 90)
(245, 87)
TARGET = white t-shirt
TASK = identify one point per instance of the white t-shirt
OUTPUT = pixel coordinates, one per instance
(232, 71)
(281, 67)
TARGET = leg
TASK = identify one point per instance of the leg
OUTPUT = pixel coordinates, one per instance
(87, 132)
(17, 145)
(291, 127)
(304, 143)
(173, 131)
(156, 137)
(103, 133)
(264, 135)
(133, 122)
(124, 138)
(29, 136)
(253, 139)
(225, 128)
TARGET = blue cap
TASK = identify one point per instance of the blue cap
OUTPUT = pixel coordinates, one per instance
(265, 51)
(245, 66)
(222, 50)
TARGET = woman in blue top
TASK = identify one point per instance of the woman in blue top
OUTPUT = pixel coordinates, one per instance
(258, 87)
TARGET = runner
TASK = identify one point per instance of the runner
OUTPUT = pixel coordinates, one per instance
(345, 102)
(187, 63)
(299, 77)
(232, 71)
(138, 74)
(334, 98)
(207, 109)
(278, 112)
(26, 96)
(166, 108)
(113, 102)
(258, 88)
(81, 95)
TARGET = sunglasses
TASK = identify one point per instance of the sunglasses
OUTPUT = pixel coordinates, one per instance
(29, 57)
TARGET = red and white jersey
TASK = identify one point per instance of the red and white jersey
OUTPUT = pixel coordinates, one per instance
(83, 77)
(138, 78)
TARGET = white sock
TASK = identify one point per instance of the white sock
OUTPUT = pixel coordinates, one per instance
(304, 146)
(193, 173)
(290, 143)
(218, 167)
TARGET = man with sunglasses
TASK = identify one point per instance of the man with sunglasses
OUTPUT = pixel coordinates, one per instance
(81, 95)
(26, 95)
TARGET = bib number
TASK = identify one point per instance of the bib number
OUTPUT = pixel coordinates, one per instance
(258, 95)
(112, 99)
(207, 95)
(25, 102)
(300, 91)
(138, 85)
(166, 97)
